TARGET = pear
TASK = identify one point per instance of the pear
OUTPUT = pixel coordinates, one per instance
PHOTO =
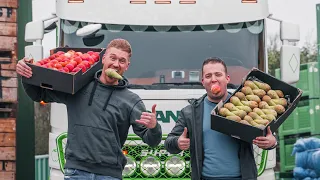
(262, 121)
(236, 101)
(225, 112)
(273, 94)
(240, 113)
(259, 92)
(248, 118)
(268, 99)
(268, 117)
(280, 101)
(251, 104)
(264, 105)
(254, 115)
(241, 96)
(279, 93)
(113, 74)
(258, 111)
(250, 84)
(246, 90)
(270, 111)
(230, 107)
(253, 98)
(263, 86)
(245, 122)
(234, 118)
(247, 109)
(253, 123)
(278, 108)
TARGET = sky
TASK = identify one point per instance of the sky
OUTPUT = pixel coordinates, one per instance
(302, 12)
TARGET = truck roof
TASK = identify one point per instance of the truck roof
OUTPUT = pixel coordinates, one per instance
(162, 12)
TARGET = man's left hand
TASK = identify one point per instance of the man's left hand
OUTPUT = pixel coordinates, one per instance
(265, 142)
(149, 119)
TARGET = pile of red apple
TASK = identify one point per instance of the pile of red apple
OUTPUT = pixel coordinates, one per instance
(70, 62)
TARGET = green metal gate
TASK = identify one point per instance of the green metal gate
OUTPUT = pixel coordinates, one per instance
(42, 167)
(144, 162)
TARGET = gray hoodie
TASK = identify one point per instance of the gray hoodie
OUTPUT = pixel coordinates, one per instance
(99, 117)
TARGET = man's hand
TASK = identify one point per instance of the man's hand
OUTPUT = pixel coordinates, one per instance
(23, 69)
(183, 141)
(149, 119)
(265, 142)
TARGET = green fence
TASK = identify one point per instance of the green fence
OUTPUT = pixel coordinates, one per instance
(287, 161)
(42, 167)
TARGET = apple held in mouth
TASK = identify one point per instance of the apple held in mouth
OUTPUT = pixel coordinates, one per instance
(113, 74)
(215, 89)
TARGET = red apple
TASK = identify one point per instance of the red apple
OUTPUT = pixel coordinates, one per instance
(90, 52)
(76, 69)
(86, 64)
(54, 61)
(66, 69)
(58, 66)
(83, 67)
(78, 59)
(70, 66)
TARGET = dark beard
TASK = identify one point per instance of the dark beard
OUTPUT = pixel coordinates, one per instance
(217, 98)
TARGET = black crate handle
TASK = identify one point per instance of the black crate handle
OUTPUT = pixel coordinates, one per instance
(46, 86)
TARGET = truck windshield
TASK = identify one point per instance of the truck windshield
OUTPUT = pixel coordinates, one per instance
(174, 54)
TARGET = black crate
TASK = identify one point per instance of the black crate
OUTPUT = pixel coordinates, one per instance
(248, 133)
(64, 82)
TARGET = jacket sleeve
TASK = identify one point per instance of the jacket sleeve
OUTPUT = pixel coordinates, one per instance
(152, 137)
(38, 94)
(171, 143)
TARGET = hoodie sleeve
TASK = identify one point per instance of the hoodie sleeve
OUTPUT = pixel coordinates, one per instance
(38, 94)
(171, 143)
(150, 136)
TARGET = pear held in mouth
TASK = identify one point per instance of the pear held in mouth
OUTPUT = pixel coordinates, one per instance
(113, 74)
(215, 89)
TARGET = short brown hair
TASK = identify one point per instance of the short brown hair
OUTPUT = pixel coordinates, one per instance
(121, 44)
(214, 60)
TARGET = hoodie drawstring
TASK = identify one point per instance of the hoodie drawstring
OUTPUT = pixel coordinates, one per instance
(92, 92)
(107, 102)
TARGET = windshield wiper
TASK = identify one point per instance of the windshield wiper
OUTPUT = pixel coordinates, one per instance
(179, 84)
(166, 86)
(176, 85)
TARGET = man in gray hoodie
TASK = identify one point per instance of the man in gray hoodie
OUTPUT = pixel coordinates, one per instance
(99, 117)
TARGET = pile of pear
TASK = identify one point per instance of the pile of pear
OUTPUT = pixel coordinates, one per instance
(256, 104)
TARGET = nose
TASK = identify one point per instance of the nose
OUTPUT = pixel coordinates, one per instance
(213, 79)
(116, 64)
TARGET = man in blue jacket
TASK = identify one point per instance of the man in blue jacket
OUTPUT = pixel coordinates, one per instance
(214, 156)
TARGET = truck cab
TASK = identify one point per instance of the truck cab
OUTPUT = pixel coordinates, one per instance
(170, 40)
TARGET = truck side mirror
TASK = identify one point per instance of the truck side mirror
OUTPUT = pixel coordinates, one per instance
(34, 31)
(290, 54)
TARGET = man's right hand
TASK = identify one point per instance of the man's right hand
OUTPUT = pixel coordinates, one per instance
(23, 69)
(183, 141)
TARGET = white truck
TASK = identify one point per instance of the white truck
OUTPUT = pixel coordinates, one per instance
(170, 40)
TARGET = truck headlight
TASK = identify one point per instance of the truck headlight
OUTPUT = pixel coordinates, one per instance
(150, 166)
(175, 165)
(130, 167)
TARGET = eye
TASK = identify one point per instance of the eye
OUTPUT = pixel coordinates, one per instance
(113, 58)
(122, 61)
